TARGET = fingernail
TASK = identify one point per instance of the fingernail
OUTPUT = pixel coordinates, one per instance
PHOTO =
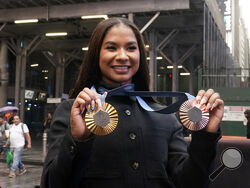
(98, 101)
(93, 108)
(208, 106)
(88, 107)
(82, 112)
(213, 107)
(197, 98)
(203, 101)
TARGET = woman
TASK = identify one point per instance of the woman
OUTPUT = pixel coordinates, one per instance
(46, 124)
(146, 149)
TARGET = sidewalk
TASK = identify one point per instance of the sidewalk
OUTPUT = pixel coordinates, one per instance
(31, 179)
(33, 161)
(34, 156)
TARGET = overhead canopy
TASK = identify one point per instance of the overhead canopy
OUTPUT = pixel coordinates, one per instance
(45, 9)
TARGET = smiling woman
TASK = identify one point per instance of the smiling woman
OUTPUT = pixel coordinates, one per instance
(143, 149)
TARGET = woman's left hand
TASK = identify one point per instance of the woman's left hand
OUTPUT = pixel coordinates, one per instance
(215, 105)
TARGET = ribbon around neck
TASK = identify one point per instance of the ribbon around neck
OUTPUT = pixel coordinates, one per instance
(128, 90)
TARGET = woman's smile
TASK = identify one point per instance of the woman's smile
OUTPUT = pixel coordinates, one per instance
(121, 69)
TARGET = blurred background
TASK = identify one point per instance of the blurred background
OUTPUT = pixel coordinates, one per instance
(191, 45)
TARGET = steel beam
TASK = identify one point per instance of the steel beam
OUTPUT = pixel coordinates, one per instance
(131, 17)
(164, 42)
(187, 54)
(11, 46)
(62, 45)
(152, 61)
(17, 81)
(175, 21)
(175, 71)
(105, 7)
(149, 22)
(165, 56)
(23, 84)
(167, 39)
(3, 73)
(51, 59)
(60, 70)
(2, 26)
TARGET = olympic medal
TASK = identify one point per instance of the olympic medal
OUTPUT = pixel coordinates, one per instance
(102, 121)
(193, 116)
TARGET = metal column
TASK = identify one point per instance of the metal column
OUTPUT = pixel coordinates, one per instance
(175, 71)
(60, 61)
(131, 17)
(3, 73)
(23, 84)
(60, 75)
(192, 75)
(152, 61)
(22, 48)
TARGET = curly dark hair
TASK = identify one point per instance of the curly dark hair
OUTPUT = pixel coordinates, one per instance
(90, 73)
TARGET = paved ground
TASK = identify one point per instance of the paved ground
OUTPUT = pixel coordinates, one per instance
(33, 161)
(30, 179)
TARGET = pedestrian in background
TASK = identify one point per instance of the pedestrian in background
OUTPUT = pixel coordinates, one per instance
(12, 117)
(4, 127)
(46, 124)
(247, 115)
(146, 149)
(18, 133)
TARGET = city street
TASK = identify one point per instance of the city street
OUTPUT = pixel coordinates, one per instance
(32, 160)
(30, 179)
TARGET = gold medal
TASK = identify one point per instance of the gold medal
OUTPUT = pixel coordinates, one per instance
(193, 116)
(102, 121)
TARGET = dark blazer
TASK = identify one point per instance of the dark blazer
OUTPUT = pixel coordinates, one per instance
(146, 150)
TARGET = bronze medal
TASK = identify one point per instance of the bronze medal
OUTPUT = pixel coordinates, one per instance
(193, 116)
(102, 121)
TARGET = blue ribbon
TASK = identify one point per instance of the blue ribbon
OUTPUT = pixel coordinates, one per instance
(128, 90)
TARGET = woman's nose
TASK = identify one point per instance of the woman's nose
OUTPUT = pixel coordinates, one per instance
(122, 55)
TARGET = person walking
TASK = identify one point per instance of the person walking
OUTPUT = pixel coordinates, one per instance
(4, 127)
(247, 115)
(11, 118)
(18, 133)
(46, 124)
(147, 149)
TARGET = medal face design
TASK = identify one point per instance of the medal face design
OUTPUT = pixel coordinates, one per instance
(193, 116)
(102, 121)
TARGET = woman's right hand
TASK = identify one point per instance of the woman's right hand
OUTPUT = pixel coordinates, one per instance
(85, 101)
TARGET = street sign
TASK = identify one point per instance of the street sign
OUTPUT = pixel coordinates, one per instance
(54, 100)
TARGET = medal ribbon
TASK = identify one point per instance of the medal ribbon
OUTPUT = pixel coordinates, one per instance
(128, 90)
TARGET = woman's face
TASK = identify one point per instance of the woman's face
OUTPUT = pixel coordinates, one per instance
(119, 55)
